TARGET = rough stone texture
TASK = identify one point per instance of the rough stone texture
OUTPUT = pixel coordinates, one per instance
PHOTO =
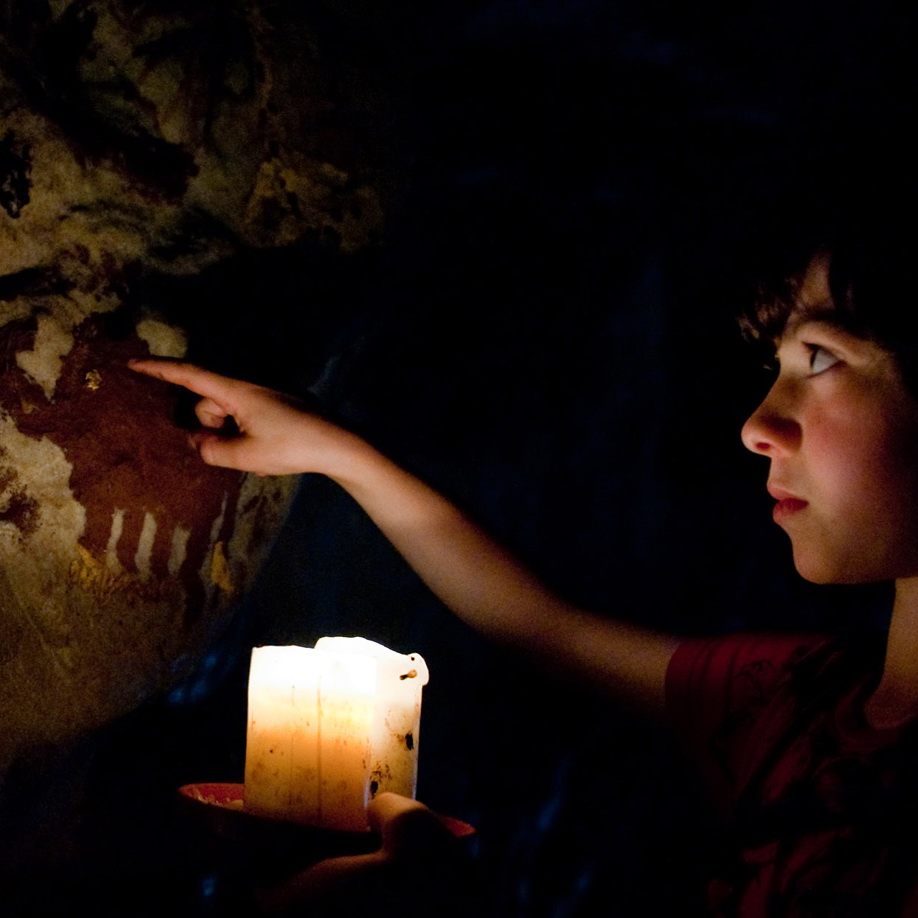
(137, 140)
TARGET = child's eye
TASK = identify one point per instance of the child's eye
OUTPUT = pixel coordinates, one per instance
(821, 359)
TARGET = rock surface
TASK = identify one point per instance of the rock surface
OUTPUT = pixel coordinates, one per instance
(137, 141)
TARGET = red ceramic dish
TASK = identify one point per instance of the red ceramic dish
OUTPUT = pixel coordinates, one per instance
(231, 796)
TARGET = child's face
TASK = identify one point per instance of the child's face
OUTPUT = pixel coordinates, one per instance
(841, 431)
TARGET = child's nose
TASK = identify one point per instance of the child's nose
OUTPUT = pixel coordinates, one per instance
(771, 428)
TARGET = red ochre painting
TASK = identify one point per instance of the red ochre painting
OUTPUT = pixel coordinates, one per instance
(122, 552)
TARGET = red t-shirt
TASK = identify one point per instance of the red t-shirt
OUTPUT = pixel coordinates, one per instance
(821, 809)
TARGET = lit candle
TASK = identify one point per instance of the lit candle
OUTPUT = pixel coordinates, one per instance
(329, 727)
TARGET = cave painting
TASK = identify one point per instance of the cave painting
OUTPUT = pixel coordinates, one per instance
(120, 552)
(151, 511)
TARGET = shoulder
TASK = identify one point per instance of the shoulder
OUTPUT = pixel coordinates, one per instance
(739, 668)
(720, 693)
(734, 700)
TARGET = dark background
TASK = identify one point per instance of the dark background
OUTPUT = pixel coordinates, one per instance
(547, 335)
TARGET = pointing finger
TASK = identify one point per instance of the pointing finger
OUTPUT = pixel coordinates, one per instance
(203, 382)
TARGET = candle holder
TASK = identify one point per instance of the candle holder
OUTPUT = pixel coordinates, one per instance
(258, 850)
(328, 727)
(238, 853)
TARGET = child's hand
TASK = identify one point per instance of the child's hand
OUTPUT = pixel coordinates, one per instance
(420, 869)
(249, 427)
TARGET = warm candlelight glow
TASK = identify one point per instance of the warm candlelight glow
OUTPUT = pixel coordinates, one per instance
(329, 727)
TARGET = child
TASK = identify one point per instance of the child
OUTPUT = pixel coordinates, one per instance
(806, 743)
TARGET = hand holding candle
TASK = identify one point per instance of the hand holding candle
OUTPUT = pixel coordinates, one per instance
(330, 727)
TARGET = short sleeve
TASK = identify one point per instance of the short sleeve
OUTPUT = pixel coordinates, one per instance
(717, 691)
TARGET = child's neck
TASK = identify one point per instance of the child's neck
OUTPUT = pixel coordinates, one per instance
(895, 700)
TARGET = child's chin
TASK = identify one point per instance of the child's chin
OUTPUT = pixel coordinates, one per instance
(818, 570)
(821, 571)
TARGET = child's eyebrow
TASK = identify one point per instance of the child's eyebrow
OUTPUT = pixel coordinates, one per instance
(824, 314)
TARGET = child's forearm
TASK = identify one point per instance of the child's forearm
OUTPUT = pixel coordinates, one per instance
(487, 587)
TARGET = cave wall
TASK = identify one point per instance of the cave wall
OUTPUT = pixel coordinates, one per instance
(141, 147)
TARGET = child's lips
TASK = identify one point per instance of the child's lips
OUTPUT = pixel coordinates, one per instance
(786, 508)
(788, 504)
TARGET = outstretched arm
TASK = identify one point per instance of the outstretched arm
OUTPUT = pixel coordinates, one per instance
(249, 427)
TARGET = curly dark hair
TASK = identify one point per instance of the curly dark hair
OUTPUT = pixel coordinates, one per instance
(871, 253)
